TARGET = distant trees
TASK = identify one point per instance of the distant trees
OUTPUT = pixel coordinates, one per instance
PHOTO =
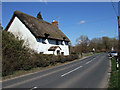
(96, 43)
(103, 44)
(106, 43)
(82, 44)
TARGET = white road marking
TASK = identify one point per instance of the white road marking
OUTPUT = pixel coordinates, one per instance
(33, 88)
(76, 68)
(39, 71)
(35, 78)
(94, 58)
(71, 71)
(90, 61)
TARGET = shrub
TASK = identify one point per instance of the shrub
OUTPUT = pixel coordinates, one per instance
(16, 57)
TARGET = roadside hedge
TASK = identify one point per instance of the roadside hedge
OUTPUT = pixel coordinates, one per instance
(16, 57)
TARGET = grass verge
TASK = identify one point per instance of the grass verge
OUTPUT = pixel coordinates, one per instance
(115, 77)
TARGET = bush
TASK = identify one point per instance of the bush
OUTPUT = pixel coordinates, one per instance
(13, 53)
(16, 57)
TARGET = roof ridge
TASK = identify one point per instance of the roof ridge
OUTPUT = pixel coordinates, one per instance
(39, 27)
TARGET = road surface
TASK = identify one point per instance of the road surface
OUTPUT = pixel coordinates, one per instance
(91, 72)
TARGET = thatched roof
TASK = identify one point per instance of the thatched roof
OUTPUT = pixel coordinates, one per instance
(39, 27)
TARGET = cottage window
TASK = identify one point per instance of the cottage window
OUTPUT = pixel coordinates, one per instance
(66, 43)
(52, 41)
(39, 39)
(57, 42)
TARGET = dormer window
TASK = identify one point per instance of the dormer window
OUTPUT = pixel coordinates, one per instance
(46, 35)
(39, 39)
(64, 38)
(45, 40)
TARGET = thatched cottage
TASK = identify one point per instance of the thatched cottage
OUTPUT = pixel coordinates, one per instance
(38, 35)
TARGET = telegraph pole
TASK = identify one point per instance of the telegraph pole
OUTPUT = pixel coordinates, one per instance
(119, 33)
(118, 59)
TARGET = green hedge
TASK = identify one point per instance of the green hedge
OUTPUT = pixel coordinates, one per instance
(15, 57)
(36, 60)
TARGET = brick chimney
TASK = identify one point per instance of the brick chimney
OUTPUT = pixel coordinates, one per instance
(55, 23)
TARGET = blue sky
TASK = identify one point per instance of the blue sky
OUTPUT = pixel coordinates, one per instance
(75, 19)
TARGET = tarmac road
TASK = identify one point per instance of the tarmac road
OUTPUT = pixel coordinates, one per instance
(91, 72)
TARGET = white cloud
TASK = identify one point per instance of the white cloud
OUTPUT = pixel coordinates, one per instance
(82, 22)
(102, 31)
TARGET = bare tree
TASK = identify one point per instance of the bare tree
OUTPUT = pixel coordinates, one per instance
(82, 44)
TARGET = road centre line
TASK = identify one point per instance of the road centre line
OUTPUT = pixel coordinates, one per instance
(34, 72)
(23, 82)
(35, 78)
(75, 69)
(71, 71)
(89, 62)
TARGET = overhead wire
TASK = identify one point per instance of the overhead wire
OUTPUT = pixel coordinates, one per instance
(116, 14)
(114, 8)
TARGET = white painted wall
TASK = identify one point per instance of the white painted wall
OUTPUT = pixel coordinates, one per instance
(20, 31)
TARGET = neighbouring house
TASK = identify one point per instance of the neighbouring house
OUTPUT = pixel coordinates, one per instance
(38, 35)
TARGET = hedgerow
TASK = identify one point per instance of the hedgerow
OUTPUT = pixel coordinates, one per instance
(16, 57)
